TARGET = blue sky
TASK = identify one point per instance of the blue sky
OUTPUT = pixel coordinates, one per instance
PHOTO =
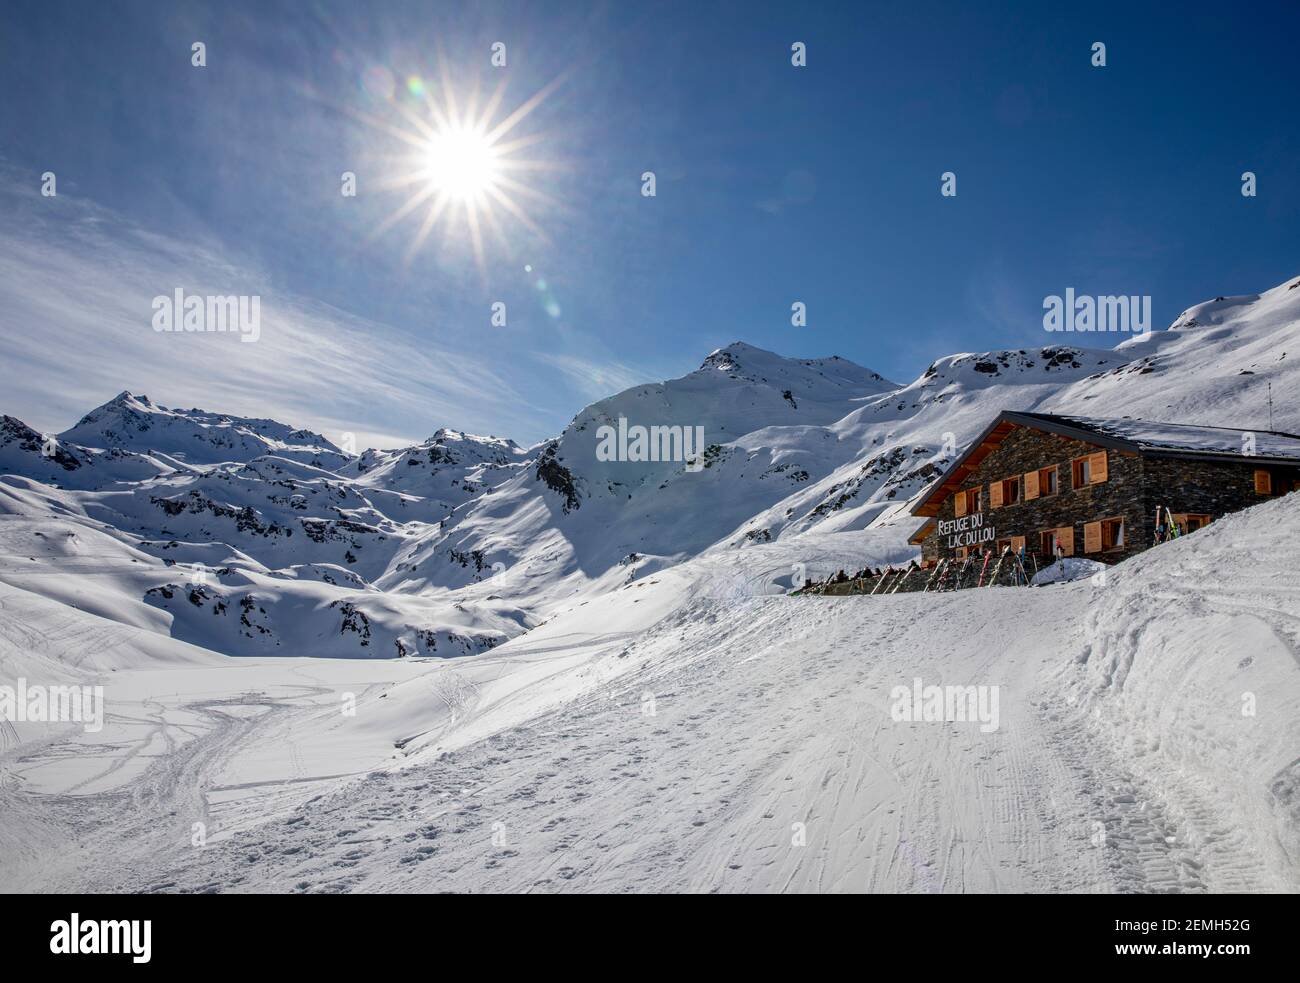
(775, 184)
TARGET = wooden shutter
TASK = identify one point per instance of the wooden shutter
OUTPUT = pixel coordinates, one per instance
(1017, 543)
(1031, 485)
(959, 503)
(1065, 539)
(1098, 466)
(995, 495)
(1263, 483)
(1092, 537)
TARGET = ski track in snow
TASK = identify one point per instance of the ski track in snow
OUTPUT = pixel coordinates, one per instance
(768, 712)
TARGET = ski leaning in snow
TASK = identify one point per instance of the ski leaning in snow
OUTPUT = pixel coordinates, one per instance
(937, 570)
(880, 580)
(964, 571)
(1174, 531)
(903, 579)
(998, 566)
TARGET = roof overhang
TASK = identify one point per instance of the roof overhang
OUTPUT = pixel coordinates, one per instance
(918, 537)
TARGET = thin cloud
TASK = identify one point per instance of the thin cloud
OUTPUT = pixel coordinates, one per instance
(78, 281)
(594, 379)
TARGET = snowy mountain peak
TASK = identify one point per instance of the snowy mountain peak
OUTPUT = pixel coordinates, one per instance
(427, 481)
(126, 398)
(62, 463)
(446, 435)
(980, 369)
(752, 364)
(727, 358)
(1222, 310)
(135, 422)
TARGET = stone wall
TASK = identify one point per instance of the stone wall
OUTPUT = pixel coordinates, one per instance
(1208, 487)
(1121, 495)
(930, 548)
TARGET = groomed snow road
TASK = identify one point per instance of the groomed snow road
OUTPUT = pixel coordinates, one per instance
(677, 735)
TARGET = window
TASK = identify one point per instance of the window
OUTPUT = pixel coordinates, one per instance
(961, 552)
(1112, 534)
(966, 501)
(1005, 492)
(1040, 482)
(1190, 522)
(1065, 539)
(1090, 470)
(1105, 534)
(1263, 483)
(1051, 539)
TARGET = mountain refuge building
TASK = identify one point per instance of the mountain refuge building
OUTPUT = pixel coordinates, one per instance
(1048, 485)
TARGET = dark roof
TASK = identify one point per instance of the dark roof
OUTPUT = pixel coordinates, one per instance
(1176, 440)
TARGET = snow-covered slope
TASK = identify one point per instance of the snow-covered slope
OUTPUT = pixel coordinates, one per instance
(569, 523)
(1214, 366)
(896, 443)
(428, 481)
(67, 465)
(672, 735)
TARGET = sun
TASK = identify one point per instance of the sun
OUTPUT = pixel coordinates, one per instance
(464, 163)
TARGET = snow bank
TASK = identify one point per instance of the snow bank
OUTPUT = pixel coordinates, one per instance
(1066, 569)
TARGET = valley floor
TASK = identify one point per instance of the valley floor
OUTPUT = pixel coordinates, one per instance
(1148, 740)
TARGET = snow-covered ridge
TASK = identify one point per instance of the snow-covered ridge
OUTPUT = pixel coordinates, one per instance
(750, 364)
(429, 480)
(1217, 366)
(131, 422)
(65, 464)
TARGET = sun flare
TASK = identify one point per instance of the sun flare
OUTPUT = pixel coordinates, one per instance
(463, 165)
